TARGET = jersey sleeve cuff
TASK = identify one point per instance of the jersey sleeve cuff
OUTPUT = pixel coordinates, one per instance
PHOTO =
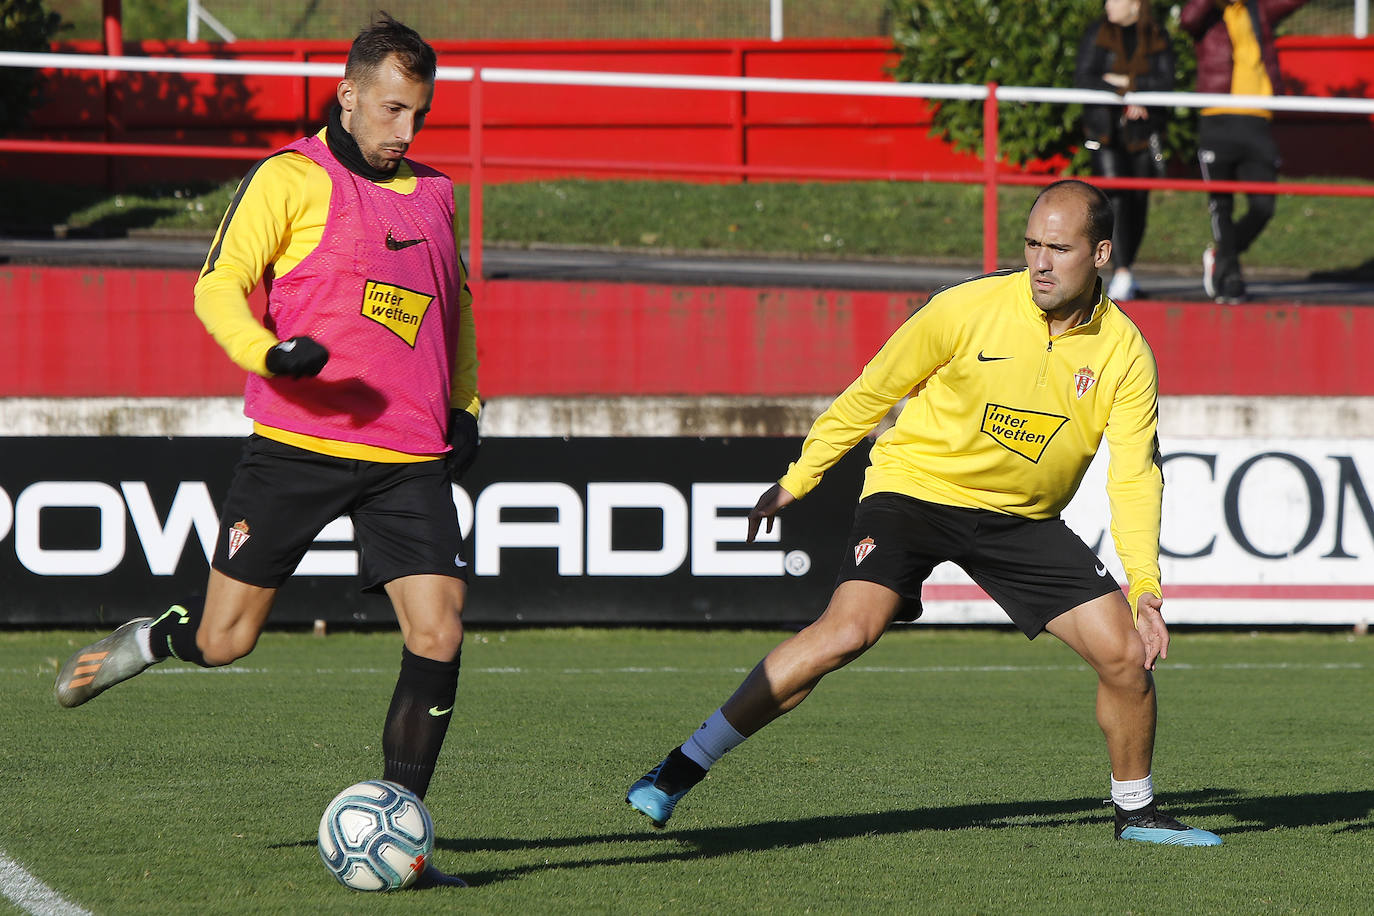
(1138, 589)
(796, 484)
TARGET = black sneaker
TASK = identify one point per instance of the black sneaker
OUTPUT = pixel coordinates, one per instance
(1232, 292)
(1150, 825)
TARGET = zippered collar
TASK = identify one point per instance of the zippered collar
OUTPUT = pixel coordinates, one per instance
(1035, 315)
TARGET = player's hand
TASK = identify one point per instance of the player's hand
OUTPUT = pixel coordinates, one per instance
(1149, 623)
(464, 441)
(774, 499)
(297, 357)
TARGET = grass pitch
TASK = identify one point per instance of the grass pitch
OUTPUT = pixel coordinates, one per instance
(949, 771)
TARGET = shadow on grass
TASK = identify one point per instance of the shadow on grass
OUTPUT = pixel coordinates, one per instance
(1361, 273)
(1345, 811)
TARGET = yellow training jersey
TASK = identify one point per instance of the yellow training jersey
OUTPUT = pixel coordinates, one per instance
(275, 220)
(1004, 417)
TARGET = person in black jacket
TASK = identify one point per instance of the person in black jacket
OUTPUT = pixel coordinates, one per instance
(1125, 51)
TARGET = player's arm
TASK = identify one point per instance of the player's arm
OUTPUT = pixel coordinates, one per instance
(253, 234)
(1135, 479)
(920, 346)
(1090, 64)
(463, 390)
(464, 439)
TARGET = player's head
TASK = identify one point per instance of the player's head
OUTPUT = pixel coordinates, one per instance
(1068, 239)
(387, 90)
(386, 38)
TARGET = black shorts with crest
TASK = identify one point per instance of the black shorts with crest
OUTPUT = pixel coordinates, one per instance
(1035, 569)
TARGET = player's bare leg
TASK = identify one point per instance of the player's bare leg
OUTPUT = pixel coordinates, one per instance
(232, 619)
(430, 612)
(429, 609)
(1104, 634)
(1101, 631)
(858, 614)
(854, 620)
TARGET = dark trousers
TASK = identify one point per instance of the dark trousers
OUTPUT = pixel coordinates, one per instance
(1130, 208)
(1236, 148)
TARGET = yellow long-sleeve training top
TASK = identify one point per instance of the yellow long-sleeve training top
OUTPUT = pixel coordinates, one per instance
(1004, 417)
(275, 220)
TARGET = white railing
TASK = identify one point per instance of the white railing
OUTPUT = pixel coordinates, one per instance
(991, 95)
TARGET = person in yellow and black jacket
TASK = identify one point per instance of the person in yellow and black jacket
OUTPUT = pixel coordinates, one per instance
(362, 385)
(1014, 380)
(1235, 55)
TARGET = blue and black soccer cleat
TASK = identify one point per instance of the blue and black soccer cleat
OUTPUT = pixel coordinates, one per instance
(657, 792)
(1148, 825)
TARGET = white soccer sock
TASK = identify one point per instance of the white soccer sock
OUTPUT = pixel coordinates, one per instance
(144, 637)
(1133, 794)
(711, 741)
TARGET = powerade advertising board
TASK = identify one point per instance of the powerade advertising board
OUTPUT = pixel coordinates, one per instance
(94, 531)
(97, 530)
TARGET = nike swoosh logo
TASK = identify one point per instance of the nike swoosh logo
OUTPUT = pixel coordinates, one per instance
(989, 359)
(396, 244)
(436, 711)
(1101, 570)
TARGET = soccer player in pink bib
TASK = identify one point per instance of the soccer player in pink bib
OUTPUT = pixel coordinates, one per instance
(362, 388)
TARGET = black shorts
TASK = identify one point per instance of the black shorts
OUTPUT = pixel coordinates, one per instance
(282, 496)
(1035, 569)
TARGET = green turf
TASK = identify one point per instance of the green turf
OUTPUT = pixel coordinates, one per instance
(887, 220)
(947, 771)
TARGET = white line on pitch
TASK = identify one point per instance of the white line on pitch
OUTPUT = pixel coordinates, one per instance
(866, 669)
(31, 895)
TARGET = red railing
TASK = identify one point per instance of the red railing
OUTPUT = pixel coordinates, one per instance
(478, 161)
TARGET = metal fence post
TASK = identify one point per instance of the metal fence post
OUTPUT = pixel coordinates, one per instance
(990, 180)
(475, 179)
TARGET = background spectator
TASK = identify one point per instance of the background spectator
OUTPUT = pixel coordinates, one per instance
(1125, 51)
(1235, 54)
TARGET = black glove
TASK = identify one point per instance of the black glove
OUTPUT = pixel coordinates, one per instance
(297, 357)
(463, 441)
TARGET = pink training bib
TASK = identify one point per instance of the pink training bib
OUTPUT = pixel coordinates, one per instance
(380, 292)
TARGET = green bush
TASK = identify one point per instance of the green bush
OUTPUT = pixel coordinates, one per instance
(25, 25)
(1013, 43)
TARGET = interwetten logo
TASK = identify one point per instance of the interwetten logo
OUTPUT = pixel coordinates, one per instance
(1025, 432)
(395, 308)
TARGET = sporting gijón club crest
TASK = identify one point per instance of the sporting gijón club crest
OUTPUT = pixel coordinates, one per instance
(863, 549)
(238, 536)
(1083, 379)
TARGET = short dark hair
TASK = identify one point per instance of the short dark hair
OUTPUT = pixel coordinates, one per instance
(382, 39)
(1101, 220)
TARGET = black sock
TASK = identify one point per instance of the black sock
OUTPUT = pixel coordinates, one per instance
(173, 635)
(418, 719)
(679, 773)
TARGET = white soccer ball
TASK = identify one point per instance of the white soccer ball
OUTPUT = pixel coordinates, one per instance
(376, 836)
